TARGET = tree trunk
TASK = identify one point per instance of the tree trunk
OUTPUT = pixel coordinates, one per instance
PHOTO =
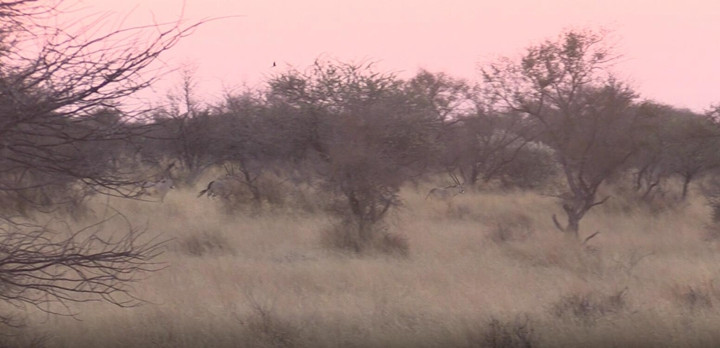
(573, 226)
(474, 174)
(686, 184)
(574, 212)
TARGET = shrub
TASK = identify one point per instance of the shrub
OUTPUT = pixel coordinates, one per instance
(347, 236)
(394, 244)
(694, 298)
(589, 307)
(515, 228)
(266, 329)
(203, 243)
(508, 334)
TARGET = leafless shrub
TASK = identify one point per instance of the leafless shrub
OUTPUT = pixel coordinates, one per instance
(516, 333)
(589, 307)
(204, 243)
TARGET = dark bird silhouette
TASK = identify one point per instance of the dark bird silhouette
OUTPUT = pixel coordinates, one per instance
(274, 65)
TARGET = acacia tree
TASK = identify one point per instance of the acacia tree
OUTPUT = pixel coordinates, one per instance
(185, 126)
(364, 130)
(582, 112)
(246, 137)
(449, 100)
(651, 163)
(693, 150)
(484, 145)
(50, 141)
(476, 141)
(676, 142)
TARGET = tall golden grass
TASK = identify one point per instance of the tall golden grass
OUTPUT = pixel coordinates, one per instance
(487, 269)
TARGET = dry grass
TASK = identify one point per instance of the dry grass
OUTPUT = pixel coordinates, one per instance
(488, 269)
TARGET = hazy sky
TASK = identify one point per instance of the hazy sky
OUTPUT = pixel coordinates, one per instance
(670, 48)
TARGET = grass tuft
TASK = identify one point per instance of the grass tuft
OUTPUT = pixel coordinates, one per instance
(588, 307)
(204, 243)
(517, 333)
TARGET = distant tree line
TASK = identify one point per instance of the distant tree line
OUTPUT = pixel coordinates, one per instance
(555, 113)
(359, 134)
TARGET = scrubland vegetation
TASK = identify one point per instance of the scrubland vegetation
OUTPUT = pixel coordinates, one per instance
(547, 204)
(488, 270)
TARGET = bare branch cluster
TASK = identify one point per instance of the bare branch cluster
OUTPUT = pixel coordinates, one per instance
(43, 267)
(62, 138)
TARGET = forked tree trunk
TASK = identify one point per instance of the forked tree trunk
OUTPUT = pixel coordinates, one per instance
(575, 209)
(573, 225)
(572, 228)
(687, 178)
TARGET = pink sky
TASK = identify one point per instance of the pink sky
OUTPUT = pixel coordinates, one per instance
(670, 48)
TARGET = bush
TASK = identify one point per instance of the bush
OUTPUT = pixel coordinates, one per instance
(517, 227)
(203, 243)
(266, 329)
(589, 307)
(695, 298)
(347, 236)
(507, 334)
(533, 168)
